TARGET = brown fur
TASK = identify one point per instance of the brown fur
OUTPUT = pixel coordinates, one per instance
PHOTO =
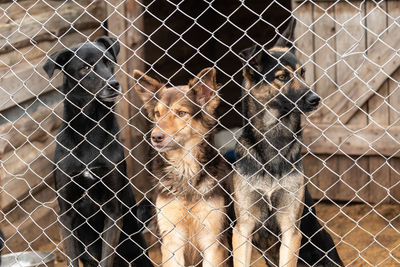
(192, 178)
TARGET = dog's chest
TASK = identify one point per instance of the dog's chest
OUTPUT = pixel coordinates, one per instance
(186, 177)
(272, 190)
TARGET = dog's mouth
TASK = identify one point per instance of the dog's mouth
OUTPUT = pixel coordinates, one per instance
(108, 95)
(165, 146)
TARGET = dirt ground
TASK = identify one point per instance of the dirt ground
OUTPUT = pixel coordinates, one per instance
(365, 236)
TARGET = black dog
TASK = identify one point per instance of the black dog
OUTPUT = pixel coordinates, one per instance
(97, 205)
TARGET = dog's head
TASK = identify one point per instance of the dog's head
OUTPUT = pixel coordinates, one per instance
(182, 115)
(275, 77)
(88, 69)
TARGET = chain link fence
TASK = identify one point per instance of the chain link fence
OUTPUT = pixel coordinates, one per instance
(350, 146)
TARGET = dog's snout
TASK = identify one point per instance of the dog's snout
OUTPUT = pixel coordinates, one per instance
(313, 99)
(157, 137)
(114, 84)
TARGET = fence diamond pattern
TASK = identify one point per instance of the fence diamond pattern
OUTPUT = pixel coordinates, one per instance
(350, 145)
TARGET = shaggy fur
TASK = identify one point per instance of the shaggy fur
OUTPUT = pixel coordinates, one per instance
(192, 179)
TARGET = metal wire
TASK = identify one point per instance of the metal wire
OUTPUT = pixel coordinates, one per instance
(350, 145)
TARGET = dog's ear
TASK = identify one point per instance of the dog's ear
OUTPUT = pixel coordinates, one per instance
(56, 61)
(204, 88)
(110, 44)
(286, 39)
(146, 87)
(252, 60)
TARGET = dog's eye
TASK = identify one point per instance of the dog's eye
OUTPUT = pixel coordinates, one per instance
(181, 113)
(282, 77)
(302, 72)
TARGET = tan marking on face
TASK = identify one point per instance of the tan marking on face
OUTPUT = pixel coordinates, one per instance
(279, 49)
(289, 68)
(280, 72)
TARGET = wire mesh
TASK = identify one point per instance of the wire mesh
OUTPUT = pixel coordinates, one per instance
(349, 149)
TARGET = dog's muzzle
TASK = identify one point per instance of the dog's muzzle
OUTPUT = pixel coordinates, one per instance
(111, 92)
(311, 100)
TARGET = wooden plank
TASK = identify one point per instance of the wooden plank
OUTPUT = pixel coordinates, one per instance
(117, 28)
(130, 58)
(42, 22)
(325, 45)
(24, 170)
(376, 191)
(324, 57)
(353, 140)
(24, 77)
(32, 222)
(305, 40)
(380, 63)
(139, 123)
(35, 127)
(394, 110)
(352, 170)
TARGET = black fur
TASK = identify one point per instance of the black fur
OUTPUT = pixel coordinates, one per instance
(90, 170)
(318, 248)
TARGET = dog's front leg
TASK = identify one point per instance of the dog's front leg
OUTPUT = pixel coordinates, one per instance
(288, 218)
(212, 239)
(173, 249)
(241, 243)
(289, 249)
(112, 230)
(170, 221)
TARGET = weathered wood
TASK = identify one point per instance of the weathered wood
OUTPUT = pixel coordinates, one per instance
(42, 22)
(376, 190)
(35, 127)
(324, 57)
(394, 110)
(350, 38)
(354, 140)
(324, 48)
(24, 78)
(117, 29)
(379, 64)
(139, 124)
(25, 169)
(131, 38)
(32, 222)
(304, 40)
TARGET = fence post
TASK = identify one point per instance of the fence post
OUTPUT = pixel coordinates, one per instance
(124, 20)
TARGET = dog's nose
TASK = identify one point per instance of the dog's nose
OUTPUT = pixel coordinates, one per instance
(157, 137)
(114, 84)
(313, 99)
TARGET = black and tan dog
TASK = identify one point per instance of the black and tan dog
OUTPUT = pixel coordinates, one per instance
(97, 205)
(191, 200)
(269, 186)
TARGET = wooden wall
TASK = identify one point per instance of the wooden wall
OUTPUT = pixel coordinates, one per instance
(349, 50)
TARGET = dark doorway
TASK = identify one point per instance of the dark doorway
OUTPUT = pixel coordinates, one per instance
(187, 36)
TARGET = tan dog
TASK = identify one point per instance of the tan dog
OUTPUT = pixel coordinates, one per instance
(191, 200)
